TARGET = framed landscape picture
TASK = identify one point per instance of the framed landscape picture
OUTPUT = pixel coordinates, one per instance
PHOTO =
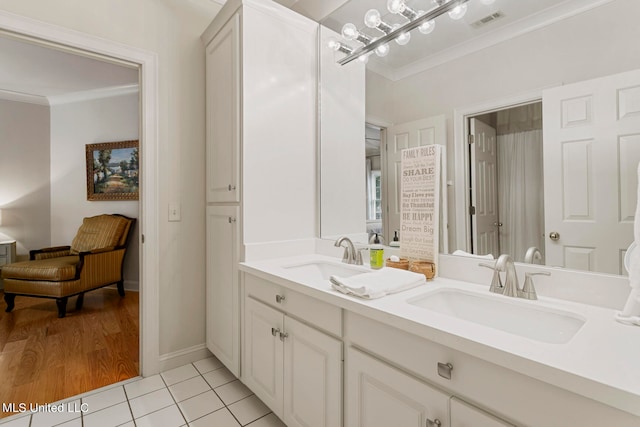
(112, 170)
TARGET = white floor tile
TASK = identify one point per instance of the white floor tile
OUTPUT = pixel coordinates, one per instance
(219, 377)
(232, 392)
(42, 419)
(221, 418)
(16, 421)
(110, 417)
(167, 417)
(179, 374)
(73, 423)
(269, 421)
(189, 388)
(144, 386)
(249, 409)
(148, 403)
(200, 405)
(207, 365)
(104, 399)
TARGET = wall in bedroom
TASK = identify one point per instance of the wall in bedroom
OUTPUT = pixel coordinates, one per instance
(73, 125)
(24, 175)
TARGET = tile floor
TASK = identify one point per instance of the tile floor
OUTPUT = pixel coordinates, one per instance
(199, 394)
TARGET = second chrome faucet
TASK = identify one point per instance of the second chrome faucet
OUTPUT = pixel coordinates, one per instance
(511, 287)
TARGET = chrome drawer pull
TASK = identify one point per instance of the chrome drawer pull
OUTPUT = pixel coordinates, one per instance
(444, 370)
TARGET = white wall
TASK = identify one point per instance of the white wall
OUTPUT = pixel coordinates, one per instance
(172, 29)
(279, 125)
(342, 131)
(24, 175)
(596, 43)
(73, 126)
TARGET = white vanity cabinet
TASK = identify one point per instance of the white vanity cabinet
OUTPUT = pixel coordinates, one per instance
(465, 415)
(378, 395)
(222, 294)
(255, 126)
(223, 114)
(293, 367)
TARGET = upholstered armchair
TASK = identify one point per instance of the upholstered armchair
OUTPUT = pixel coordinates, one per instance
(94, 259)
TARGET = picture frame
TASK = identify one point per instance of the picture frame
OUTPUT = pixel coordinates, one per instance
(113, 170)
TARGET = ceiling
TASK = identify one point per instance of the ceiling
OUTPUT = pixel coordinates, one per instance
(452, 38)
(32, 72)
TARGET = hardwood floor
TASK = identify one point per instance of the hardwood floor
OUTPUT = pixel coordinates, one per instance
(44, 359)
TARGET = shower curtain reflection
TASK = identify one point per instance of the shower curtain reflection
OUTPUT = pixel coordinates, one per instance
(520, 192)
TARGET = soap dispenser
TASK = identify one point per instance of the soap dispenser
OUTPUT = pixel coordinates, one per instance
(376, 254)
(395, 243)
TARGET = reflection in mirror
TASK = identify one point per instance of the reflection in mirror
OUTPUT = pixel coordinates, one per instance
(527, 52)
(373, 136)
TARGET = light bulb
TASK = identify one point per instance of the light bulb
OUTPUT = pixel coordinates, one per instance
(364, 58)
(403, 38)
(487, 1)
(372, 18)
(458, 11)
(333, 44)
(427, 27)
(396, 6)
(382, 50)
(349, 31)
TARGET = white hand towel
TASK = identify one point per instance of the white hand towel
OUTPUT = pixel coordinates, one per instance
(460, 252)
(631, 312)
(378, 283)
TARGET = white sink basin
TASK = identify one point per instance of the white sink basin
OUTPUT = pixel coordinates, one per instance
(322, 270)
(527, 319)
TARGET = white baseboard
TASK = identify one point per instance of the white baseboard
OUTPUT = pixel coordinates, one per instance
(182, 357)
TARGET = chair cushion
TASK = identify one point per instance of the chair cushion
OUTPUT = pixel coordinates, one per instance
(53, 269)
(97, 232)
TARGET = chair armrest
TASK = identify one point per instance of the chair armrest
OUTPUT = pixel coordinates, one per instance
(52, 252)
(103, 265)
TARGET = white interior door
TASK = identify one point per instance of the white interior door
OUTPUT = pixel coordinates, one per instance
(484, 189)
(432, 130)
(591, 152)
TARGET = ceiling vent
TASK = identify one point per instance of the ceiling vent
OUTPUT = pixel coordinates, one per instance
(487, 19)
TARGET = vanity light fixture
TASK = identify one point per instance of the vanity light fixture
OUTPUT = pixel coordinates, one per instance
(424, 21)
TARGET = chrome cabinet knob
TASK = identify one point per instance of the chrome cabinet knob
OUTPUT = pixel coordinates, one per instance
(554, 235)
(434, 423)
(283, 335)
(231, 187)
(444, 370)
(497, 224)
(275, 331)
(280, 298)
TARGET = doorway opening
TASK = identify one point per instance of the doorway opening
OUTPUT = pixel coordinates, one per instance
(506, 182)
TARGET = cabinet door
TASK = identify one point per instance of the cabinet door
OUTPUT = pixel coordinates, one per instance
(379, 395)
(312, 377)
(223, 114)
(222, 291)
(465, 415)
(263, 353)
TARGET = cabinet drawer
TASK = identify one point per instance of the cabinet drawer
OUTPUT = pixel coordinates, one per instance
(4, 250)
(318, 313)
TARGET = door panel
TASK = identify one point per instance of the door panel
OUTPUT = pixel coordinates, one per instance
(591, 152)
(484, 189)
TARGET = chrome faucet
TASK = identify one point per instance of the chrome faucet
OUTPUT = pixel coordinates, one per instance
(511, 287)
(351, 255)
(533, 254)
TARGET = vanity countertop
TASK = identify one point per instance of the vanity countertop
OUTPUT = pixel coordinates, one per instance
(601, 362)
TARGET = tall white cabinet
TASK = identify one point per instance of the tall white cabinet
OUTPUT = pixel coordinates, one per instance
(260, 150)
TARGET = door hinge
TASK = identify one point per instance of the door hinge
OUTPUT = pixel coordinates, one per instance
(472, 210)
(471, 139)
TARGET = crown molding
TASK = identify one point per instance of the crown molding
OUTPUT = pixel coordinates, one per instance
(89, 95)
(564, 10)
(9, 95)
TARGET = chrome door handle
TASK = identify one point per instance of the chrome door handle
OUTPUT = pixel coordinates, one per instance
(554, 235)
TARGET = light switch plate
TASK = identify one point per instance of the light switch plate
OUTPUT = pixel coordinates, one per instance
(174, 212)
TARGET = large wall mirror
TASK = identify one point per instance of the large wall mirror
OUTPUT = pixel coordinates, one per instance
(538, 84)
